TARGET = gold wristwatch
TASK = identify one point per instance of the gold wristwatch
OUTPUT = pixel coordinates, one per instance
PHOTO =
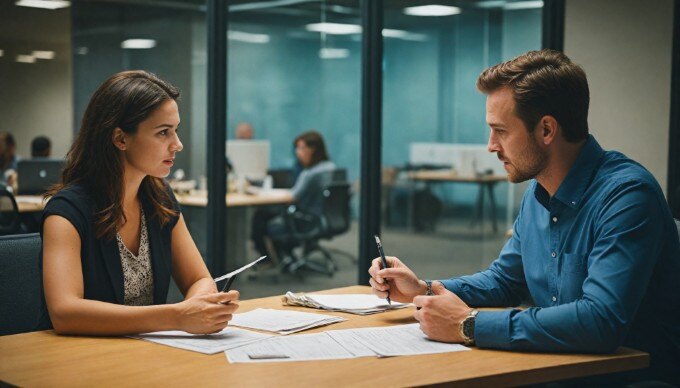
(466, 329)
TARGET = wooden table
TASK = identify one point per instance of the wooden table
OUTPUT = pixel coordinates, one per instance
(485, 182)
(45, 359)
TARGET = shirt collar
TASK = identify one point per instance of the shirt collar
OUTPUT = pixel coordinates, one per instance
(577, 180)
(580, 175)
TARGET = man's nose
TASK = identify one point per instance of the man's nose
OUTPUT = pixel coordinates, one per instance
(492, 145)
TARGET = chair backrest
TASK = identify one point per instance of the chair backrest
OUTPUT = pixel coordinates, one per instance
(336, 208)
(22, 305)
(677, 226)
(9, 212)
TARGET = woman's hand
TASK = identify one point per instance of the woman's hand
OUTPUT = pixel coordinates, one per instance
(403, 285)
(205, 314)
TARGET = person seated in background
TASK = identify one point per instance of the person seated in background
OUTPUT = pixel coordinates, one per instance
(244, 131)
(113, 233)
(310, 150)
(8, 158)
(41, 147)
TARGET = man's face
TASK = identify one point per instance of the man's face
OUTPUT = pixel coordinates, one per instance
(520, 151)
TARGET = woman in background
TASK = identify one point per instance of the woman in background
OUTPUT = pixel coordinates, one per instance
(113, 233)
(310, 150)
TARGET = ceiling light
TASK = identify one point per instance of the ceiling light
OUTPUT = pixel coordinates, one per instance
(41, 54)
(432, 10)
(138, 44)
(523, 5)
(46, 4)
(334, 28)
(405, 35)
(333, 53)
(2, 52)
(491, 4)
(247, 37)
(81, 50)
(25, 58)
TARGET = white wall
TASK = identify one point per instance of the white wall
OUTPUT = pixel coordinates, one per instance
(625, 48)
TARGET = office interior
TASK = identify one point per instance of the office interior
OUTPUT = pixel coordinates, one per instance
(296, 65)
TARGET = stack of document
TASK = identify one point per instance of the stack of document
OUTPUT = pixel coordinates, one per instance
(401, 340)
(361, 304)
(228, 338)
(282, 321)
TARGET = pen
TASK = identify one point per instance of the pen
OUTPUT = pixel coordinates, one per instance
(384, 263)
(227, 285)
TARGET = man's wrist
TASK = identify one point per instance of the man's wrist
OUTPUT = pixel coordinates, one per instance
(423, 287)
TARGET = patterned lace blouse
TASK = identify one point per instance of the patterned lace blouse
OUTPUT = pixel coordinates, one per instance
(137, 273)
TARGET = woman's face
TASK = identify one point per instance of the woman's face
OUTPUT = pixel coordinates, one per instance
(304, 153)
(151, 150)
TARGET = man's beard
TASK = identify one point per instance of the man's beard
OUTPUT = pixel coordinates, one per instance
(527, 164)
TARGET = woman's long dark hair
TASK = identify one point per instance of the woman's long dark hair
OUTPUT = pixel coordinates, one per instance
(314, 140)
(122, 101)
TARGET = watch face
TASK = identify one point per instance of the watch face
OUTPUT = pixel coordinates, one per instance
(469, 328)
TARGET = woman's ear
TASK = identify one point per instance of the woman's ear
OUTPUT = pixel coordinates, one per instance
(118, 139)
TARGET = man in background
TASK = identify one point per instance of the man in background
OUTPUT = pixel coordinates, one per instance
(41, 147)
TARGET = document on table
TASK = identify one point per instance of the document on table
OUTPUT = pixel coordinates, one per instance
(402, 340)
(303, 347)
(228, 338)
(282, 321)
(361, 304)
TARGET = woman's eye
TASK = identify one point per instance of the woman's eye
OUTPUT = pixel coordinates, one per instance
(163, 132)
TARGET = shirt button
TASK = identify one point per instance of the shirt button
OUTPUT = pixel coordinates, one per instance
(553, 254)
(554, 219)
(554, 299)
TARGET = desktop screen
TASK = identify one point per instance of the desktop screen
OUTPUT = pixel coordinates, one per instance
(249, 158)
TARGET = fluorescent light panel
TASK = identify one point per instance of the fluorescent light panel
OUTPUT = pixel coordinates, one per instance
(2, 52)
(138, 44)
(432, 10)
(334, 28)
(45, 4)
(43, 54)
(404, 35)
(333, 53)
(22, 58)
(523, 5)
(247, 37)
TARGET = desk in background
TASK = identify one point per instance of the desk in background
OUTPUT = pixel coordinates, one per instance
(45, 359)
(485, 182)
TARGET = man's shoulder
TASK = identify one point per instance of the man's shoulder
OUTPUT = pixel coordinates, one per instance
(618, 171)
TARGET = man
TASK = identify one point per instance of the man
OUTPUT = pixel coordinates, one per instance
(244, 131)
(594, 247)
(41, 147)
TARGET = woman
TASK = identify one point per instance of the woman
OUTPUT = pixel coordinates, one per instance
(113, 233)
(311, 153)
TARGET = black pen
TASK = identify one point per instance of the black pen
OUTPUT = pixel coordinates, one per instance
(384, 263)
(227, 285)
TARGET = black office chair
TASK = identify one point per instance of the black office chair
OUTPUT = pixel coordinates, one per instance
(306, 229)
(22, 306)
(9, 212)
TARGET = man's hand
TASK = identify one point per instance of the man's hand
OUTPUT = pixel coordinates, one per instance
(440, 315)
(399, 280)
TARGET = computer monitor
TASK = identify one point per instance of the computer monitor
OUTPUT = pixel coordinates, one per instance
(249, 158)
(35, 176)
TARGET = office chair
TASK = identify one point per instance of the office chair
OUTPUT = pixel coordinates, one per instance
(9, 211)
(22, 306)
(306, 229)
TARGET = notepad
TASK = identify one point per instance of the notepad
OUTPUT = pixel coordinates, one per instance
(282, 321)
(361, 304)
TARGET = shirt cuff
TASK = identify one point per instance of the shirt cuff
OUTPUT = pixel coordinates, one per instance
(492, 329)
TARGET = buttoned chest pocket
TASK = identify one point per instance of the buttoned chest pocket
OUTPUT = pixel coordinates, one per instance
(574, 272)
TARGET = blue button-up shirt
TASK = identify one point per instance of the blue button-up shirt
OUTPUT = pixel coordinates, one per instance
(600, 261)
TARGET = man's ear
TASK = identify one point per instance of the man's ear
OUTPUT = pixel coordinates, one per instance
(118, 139)
(549, 129)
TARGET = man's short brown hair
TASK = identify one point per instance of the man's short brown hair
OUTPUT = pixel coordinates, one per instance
(544, 82)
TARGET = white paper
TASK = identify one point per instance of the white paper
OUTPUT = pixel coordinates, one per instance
(282, 321)
(228, 338)
(238, 271)
(303, 347)
(401, 340)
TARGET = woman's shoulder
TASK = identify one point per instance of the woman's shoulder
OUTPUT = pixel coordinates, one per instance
(77, 196)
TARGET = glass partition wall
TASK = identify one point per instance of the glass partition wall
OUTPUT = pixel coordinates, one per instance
(447, 206)
(293, 67)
